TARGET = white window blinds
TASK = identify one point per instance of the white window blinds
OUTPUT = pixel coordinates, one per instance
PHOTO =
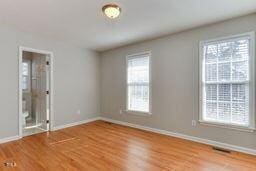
(25, 76)
(138, 83)
(225, 87)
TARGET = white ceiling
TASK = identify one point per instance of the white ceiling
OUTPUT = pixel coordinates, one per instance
(81, 21)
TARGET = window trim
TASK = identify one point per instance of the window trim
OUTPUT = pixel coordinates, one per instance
(252, 117)
(140, 113)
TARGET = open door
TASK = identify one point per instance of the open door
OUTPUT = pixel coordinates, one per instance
(35, 91)
(40, 90)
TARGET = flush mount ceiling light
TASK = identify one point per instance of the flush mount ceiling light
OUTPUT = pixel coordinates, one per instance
(111, 10)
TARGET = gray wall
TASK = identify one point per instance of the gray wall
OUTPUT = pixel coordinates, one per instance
(175, 82)
(76, 80)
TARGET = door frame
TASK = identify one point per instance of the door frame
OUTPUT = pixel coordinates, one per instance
(50, 55)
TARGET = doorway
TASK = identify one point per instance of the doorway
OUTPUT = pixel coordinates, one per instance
(35, 91)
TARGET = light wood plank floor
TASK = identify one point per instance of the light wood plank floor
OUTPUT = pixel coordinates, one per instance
(103, 146)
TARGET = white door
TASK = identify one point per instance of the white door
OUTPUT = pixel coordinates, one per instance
(39, 90)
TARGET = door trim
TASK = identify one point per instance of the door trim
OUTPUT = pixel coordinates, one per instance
(51, 95)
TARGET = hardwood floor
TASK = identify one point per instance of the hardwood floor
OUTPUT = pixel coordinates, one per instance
(103, 146)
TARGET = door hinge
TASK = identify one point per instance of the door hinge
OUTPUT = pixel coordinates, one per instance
(47, 121)
(47, 63)
(47, 92)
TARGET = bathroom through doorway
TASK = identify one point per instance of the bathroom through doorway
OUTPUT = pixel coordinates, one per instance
(35, 91)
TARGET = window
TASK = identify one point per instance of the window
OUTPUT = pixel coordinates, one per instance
(25, 76)
(227, 81)
(138, 83)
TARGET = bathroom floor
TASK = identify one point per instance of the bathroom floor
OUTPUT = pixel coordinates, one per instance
(31, 131)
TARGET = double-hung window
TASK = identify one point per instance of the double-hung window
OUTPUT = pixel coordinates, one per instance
(26, 75)
(227, 81)
(138, 83)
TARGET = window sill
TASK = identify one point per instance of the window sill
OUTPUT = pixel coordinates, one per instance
(139, 113)
(226, 126)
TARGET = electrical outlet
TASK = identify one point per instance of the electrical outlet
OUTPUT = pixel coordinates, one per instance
(193, 123)
(78, 112)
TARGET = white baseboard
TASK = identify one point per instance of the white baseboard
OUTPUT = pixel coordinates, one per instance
(187, 137)
(75, 123)
(159, 131)
(8, 139)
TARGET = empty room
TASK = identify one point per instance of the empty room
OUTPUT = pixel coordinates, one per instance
(125, 85)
